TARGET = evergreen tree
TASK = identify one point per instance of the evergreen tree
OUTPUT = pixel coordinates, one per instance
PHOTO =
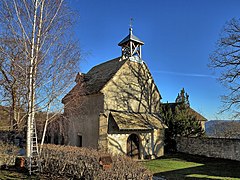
(183, 98)
(180, 120)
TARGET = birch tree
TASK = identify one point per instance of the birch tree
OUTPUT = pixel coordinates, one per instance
(50, 52)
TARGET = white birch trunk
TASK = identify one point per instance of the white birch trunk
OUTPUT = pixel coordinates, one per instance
(31, 96)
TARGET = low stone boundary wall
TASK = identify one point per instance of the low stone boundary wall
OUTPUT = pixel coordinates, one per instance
(210, 147)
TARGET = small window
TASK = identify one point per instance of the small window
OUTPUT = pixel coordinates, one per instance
(79, 141)
(55, 139)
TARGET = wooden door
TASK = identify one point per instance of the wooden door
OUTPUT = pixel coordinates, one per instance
(133, 146)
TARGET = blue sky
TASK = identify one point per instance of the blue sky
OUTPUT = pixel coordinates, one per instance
(179, 36)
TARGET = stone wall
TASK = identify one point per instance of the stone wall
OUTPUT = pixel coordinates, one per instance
(132, 89)
(103, 131)
(210, 147)
(151, 143)
(83, 117)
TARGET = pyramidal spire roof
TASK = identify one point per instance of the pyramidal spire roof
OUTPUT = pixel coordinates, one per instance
(130, 37)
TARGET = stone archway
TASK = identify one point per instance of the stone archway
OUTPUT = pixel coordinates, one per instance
(133, 146)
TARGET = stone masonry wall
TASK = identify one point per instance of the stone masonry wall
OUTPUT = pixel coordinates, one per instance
(210, 147)
(151, 143)
(83, 115)
(132, 89)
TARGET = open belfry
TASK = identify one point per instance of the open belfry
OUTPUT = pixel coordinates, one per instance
(131, 46)
(114, 107)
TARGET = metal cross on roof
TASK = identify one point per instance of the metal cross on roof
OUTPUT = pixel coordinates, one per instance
(131, 22)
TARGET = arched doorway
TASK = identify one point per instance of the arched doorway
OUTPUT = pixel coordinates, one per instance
(133, 146)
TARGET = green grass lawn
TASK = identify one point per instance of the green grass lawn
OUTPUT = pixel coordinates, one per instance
(183, 166)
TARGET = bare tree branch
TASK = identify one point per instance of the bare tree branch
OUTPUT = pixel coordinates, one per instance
(226, 60)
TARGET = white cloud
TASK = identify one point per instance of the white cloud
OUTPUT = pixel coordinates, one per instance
(185, 74)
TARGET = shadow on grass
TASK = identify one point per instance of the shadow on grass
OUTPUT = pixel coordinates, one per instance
(209, 168)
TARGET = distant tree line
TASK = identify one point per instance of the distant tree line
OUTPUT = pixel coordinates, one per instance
(223, 129)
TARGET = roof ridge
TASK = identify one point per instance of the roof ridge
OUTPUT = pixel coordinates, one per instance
(113, 110)
(103, 63)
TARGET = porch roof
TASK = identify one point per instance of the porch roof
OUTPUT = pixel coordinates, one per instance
(137, 121)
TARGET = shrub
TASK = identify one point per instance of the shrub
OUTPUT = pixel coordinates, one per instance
(83, 163)
(8, 153)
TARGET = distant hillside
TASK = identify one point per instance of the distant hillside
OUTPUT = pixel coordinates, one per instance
(223, 128)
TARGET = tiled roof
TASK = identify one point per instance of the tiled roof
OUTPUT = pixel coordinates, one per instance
(130, 37)
(191, 111)
(136, 121)
(197, 115)
(99, 75)
(96, 78)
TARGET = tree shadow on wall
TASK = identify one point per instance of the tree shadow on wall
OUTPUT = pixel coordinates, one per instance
(208, 168)
(116, 145)
(133, 90)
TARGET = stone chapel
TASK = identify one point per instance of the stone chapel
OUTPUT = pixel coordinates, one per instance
(114, 107)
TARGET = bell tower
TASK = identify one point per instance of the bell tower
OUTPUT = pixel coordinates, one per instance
(131, 47)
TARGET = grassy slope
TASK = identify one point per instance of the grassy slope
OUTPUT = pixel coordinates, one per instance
(183, 166)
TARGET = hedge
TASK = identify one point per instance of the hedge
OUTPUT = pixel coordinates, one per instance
(83, 163)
